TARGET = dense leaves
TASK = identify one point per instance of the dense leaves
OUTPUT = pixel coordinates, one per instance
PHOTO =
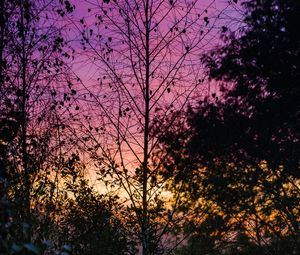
(243, 145)
(263, 64)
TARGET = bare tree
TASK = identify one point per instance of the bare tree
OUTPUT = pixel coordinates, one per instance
(146, 59)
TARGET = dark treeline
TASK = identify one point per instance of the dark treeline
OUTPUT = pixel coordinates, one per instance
(245, 139)
(229, 163)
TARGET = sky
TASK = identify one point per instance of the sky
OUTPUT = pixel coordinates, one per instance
(103, 101)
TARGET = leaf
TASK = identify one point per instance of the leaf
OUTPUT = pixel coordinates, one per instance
(206, 20)
(224, 29)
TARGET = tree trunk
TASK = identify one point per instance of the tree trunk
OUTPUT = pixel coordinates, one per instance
(23, 102)
(145, 234)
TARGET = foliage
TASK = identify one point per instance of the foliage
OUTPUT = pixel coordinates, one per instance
(220, 178)
(240, 147)
(35, 93)
(89, 225)
(263, 64)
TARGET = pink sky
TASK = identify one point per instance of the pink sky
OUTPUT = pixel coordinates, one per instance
(92, 72)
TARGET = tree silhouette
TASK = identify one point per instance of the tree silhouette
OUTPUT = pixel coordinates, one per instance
(241, 145)
(182, 173)
(32, 56)
(89, 222)
(145, 53)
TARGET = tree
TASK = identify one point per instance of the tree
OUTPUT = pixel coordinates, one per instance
(242, 144)
(145, 53)
(83, 221)
(270, 88)
(47, 205)
(95, 228)
(32, 56)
